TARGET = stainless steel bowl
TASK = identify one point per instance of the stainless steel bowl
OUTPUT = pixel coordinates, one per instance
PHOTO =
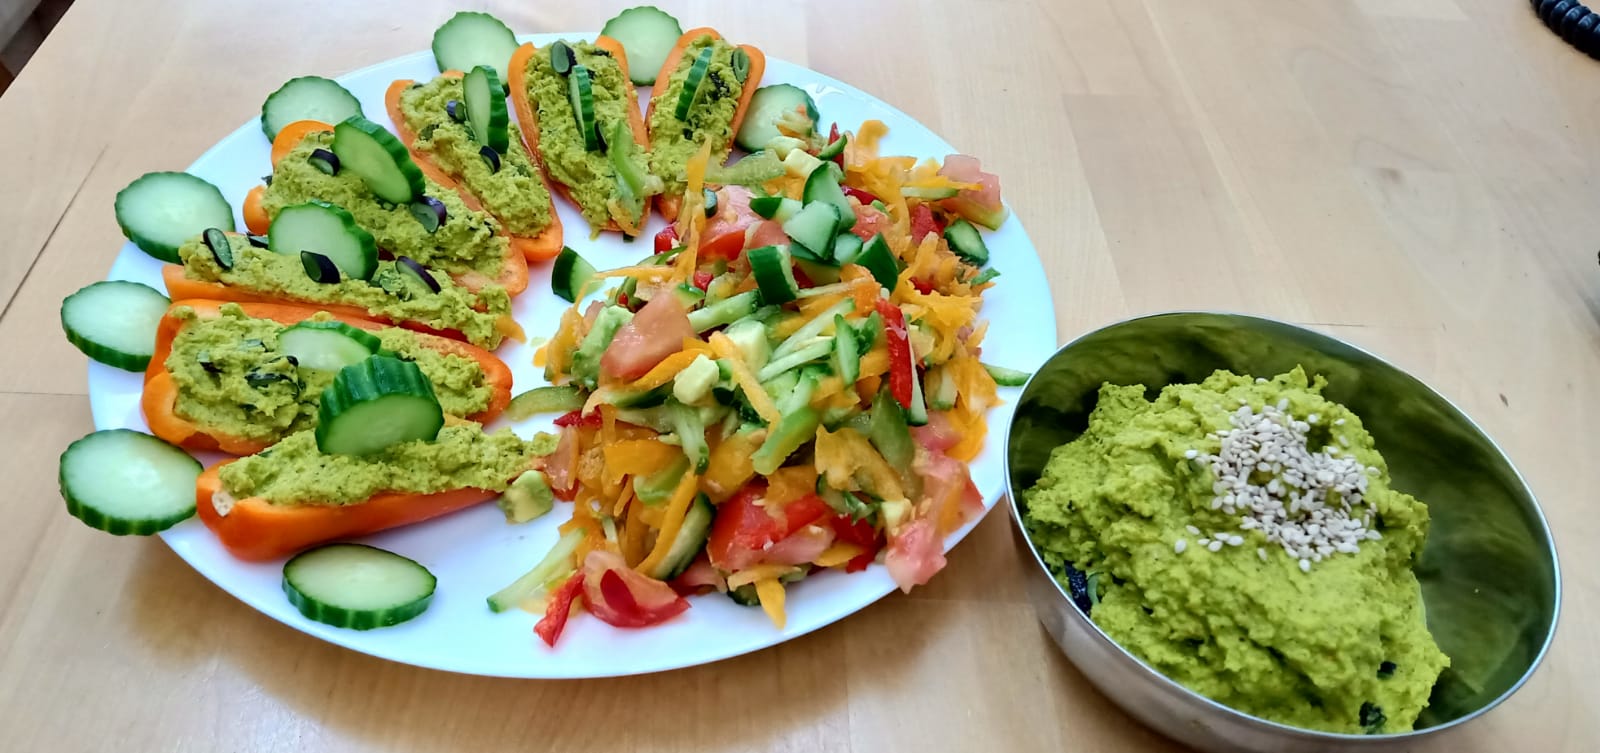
(1489, 574)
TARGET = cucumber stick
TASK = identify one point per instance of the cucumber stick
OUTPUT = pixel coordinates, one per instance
(160, 211)
(690, 540)
(357, 586)
(486, 108)
(580, 90)
(554, 399)
(774, 273)
(114, 322)
(307, 98)
(125, 482)
(570, 275)
(692, 85)
(375, 404)
(648, 35)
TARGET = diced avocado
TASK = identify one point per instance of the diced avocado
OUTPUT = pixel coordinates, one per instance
(800, 164)
(751, 339)
(586, 361)
(527, 498)
(784, 145)
(692, 386)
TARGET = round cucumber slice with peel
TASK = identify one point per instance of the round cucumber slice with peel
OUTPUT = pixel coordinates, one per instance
(375, 404)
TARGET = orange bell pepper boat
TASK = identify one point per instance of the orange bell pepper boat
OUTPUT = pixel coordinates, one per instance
(670, 204)
(528, 116)
(161, 391)
(514, 269)
(255, 529)
(539, 248)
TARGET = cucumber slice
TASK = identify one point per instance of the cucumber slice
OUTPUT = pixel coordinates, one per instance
(307, 98)
(327, 346)
(814, 227)
(377, 403)
(365, 148)
(823, 185)
(159, 211)
(691, 85)
(570, 274)
(774, 274)
(760, 125)
(727, 310)
(545, 400)
(322, 228)
(357, 586)
(1005, 377)
(690, 540)
(778, 208)
(647, 35)
(880, 261)
(846, 355)
(470, 39)
(486, 108)
(580, 89)
(917, 414)
(126, 482)
(745, 596)
(966, 242)
(114, 322)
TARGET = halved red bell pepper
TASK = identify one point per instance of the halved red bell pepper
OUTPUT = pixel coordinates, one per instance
(161, 392)
(255, 529)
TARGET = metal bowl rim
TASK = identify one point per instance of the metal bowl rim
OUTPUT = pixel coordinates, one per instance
(1251, 719)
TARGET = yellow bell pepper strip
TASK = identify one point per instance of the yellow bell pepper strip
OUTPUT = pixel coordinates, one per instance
(730, 466)
(753, 391)
(663, 372)
(771, 594)
(838, 554)
(676, 510)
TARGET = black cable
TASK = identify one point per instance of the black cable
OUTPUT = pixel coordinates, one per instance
(1573, 22)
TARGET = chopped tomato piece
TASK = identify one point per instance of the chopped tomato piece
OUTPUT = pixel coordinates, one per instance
(923, 286)
(981, 205)
(862, 195)
(560, 607)
(702, 280)
(724, 235)
(767, 233)
(939, 434)
(923, 222)
(869, 221)
(915, 554)
(619, 596)
(800, 547)
(667, 239)
(699, 577)
(654, 333)
(558, 466)
(745, 528)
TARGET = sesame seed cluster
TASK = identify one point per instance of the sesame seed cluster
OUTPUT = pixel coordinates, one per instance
(1312, 504)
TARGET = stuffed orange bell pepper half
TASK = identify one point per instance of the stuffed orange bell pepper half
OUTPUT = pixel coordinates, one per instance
(238, 377)
(580, 116)
(701, 96)
(459, 133)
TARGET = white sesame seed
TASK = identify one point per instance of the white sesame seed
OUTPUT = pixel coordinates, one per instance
(1305, 566)
(1191, 454)
(1311, 419)
(1338, 422)
(1180, 545)
(1193, 531)
(1262, 553)
(1215, 546)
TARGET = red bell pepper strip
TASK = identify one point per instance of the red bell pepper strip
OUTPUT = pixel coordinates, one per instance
(576, 418)
(865, 197)
(559, 608)
(900, 366)
(923, 222)
(833, 135)
(702, 280)
(860, 533)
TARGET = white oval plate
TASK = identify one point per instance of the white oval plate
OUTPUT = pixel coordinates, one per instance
(473, 552)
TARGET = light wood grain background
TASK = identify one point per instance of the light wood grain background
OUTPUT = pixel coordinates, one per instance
(1416, 176)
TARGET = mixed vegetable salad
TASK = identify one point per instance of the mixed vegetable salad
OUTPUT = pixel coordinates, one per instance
(791, 382)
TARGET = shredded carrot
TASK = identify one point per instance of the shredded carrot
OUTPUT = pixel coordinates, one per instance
(643, 274)
(875, 362)
(673, 520)
(753, 391)
(633, 532)
(837, 555)
(770, 591)
(827, 388)
(810, 307)
(639, 457)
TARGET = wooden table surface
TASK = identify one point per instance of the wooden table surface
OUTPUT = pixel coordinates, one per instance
(1416, 176)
